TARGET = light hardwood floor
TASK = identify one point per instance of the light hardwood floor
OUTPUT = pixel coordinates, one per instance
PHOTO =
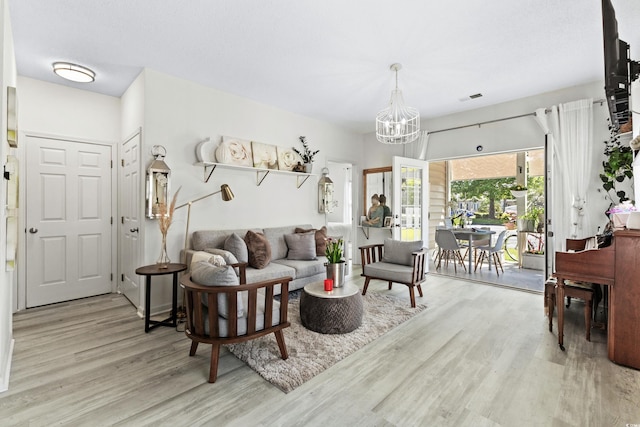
(477, 356)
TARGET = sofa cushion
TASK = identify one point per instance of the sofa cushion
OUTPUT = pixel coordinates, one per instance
(302, 246)
(304, 268)
(259, 249)
(389, 271)
(237, 246)
(208, 274)
(397, 252)
(275, 236)
(272, 271)
(320, 237)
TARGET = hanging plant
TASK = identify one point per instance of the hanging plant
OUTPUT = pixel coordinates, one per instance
(617, 167)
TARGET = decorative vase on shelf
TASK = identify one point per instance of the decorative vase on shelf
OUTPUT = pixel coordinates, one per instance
(163, 261)
(335, 271)
(308, 167)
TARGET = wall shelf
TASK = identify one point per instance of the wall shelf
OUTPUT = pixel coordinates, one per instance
(261, 174)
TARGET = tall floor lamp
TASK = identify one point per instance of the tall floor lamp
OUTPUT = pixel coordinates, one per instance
(227, 195)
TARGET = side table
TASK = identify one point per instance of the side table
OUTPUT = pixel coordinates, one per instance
(334, 312)
(155, 270)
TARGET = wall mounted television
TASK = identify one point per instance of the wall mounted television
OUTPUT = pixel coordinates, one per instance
(619, 70)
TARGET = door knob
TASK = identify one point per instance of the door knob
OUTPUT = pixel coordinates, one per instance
(33, 230)
(134, 230)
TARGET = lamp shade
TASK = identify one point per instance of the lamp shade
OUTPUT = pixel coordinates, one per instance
(227, 194)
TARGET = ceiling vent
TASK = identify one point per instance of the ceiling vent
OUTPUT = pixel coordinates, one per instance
(470, 97)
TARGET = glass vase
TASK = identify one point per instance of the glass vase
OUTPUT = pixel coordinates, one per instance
(163, 261)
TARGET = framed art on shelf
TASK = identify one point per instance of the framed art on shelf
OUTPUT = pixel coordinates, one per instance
(264, 155)
(287, 159)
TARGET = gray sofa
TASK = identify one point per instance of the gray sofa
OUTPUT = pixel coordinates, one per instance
(302, 272)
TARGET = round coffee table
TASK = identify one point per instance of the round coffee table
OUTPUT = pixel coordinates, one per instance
(334, 312)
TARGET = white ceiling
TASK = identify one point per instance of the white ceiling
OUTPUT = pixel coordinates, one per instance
(327, 59)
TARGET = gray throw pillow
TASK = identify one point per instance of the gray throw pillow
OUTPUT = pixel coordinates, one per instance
(321, 238)
(237, 246)
(397, 252)
(302, 246)
(208, 274)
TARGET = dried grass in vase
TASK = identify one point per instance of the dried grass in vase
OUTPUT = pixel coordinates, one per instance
(164, 222)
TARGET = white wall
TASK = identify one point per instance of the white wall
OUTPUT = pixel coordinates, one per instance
(72, 113)
(7, 279)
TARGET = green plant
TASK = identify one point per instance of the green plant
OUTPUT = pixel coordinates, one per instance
(334, 250)
(306, 154)
(518, 187)
(533, 213)
(617, 167)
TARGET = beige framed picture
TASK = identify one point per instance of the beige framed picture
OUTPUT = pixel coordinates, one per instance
(287, 159)
(265, 156)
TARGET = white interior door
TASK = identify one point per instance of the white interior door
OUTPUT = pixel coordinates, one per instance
(410, 199)
(69, 218)
(130, 212)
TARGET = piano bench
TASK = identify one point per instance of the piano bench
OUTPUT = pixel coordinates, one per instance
(572, 291)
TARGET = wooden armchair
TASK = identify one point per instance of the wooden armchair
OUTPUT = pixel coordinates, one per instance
(230, 314)
(395, 261)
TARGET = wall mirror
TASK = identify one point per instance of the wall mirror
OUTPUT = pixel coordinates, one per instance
(377, 181)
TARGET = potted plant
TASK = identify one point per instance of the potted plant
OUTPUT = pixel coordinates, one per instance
(518, 190)
(508, 220)
(306, 154)
(335, 264)
(530, 219)
(617, 168)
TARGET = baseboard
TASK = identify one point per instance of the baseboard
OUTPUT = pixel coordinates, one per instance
(4, 379)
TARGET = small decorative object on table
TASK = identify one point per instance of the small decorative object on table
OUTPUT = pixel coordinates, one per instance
(165, 219)
(306, 154)
(328, 285)
(335, 264)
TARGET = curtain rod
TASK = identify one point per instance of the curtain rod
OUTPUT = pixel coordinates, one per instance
(548, 110)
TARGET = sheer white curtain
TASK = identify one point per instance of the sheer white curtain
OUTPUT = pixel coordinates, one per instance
(571, 139)
(418, 148)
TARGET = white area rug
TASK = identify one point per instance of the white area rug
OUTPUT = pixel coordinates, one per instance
(310, 353)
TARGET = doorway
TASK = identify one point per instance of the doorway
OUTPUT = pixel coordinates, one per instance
(479, 196)
(69, 220)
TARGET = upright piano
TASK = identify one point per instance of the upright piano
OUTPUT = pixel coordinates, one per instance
(618, 267)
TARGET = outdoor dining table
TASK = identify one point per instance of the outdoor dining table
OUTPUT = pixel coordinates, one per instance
(469, 234)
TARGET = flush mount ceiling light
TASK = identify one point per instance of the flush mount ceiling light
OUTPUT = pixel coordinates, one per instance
(397, 124)
(74, 72)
